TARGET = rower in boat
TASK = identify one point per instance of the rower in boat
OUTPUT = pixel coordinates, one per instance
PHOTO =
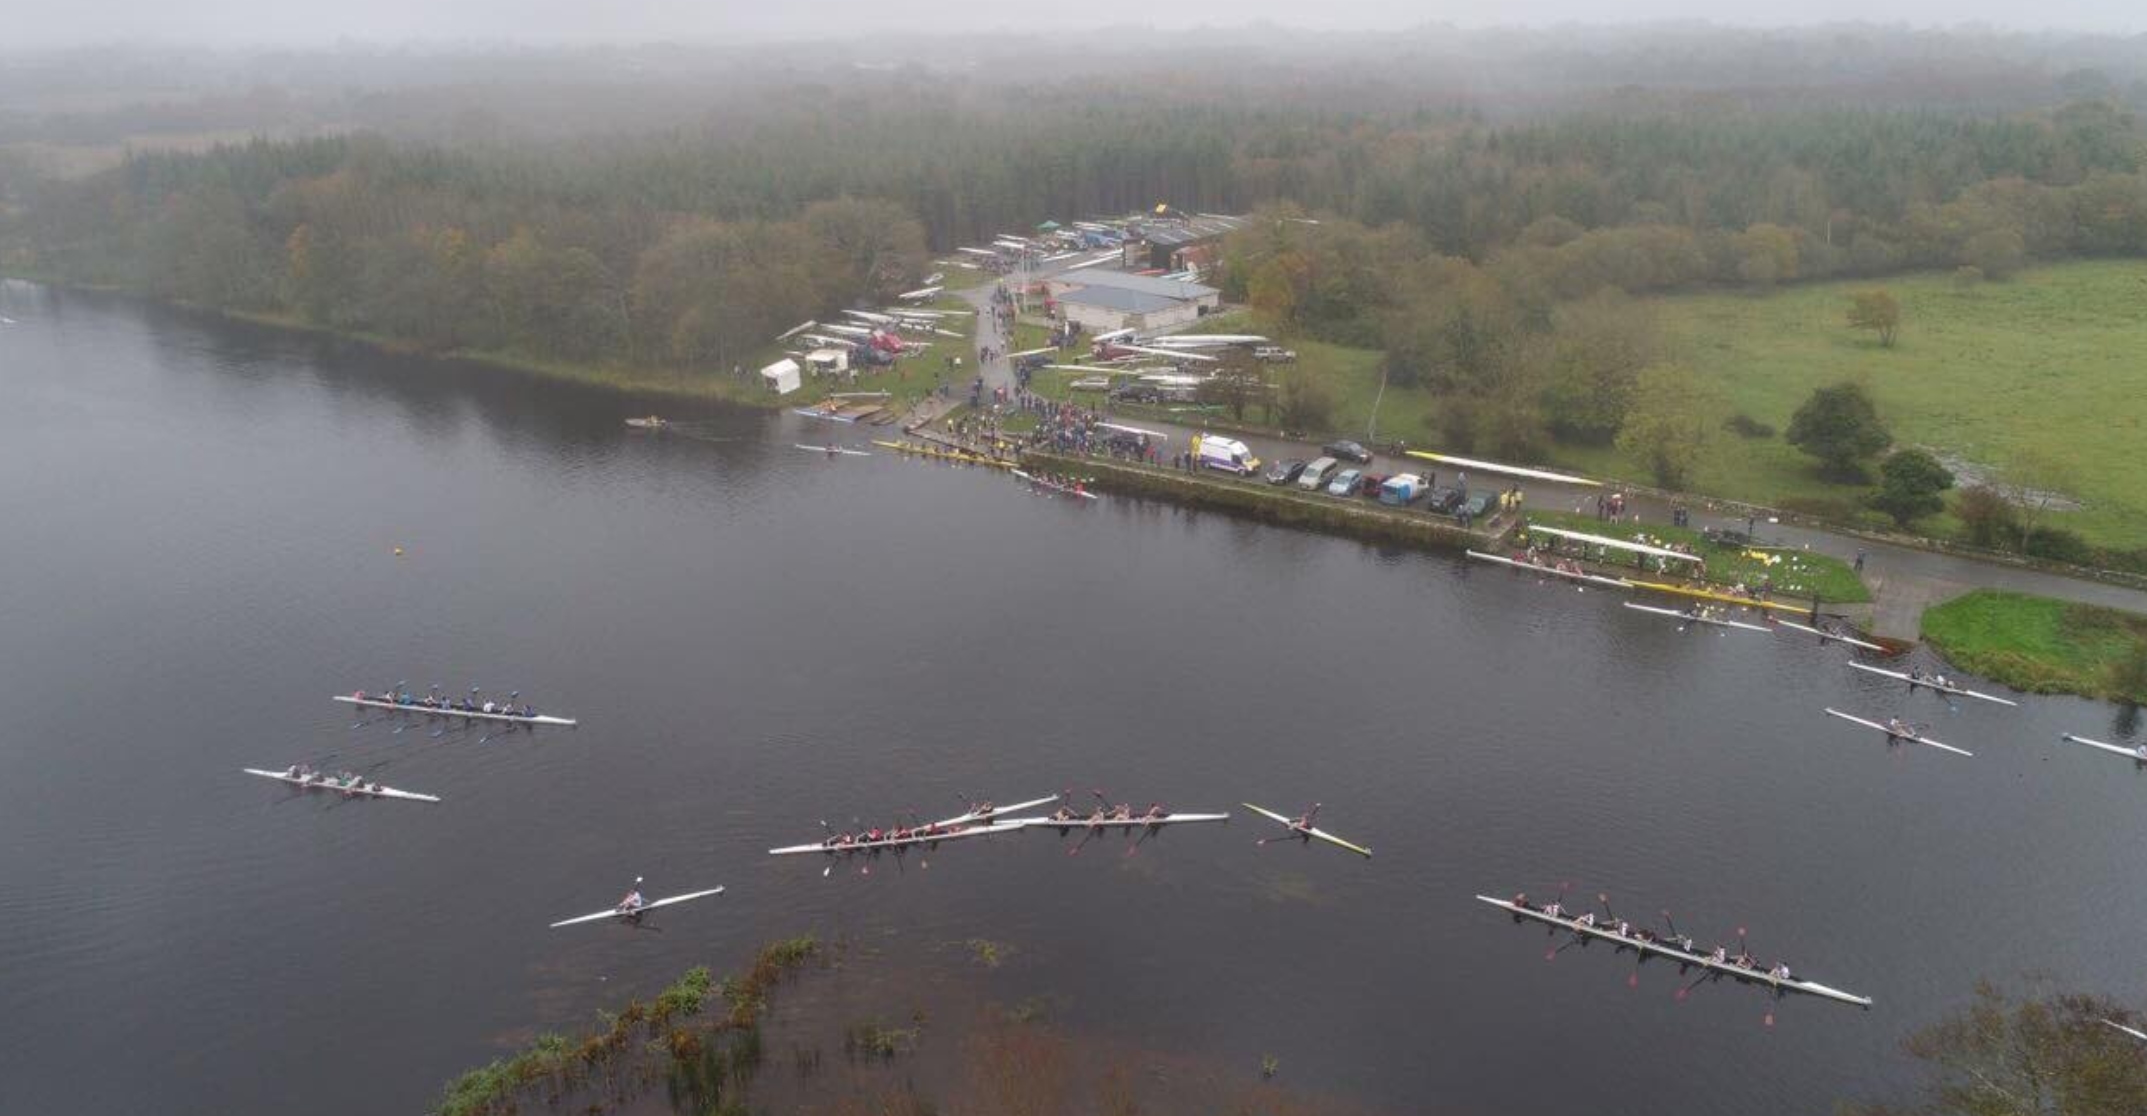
(633, 901)
(1554, 909)
(1156, 812)
(1065, 814)
(1624, 929)
(1898, 729)
(1587, 920)
(1721, 955)
(1780, 971)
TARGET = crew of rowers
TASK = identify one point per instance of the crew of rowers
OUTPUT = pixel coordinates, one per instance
(342, 780)
(1683, 943)
(1103, 815)
(1534, 556)
(447, 704)
(1919, 678)
(1065, 484)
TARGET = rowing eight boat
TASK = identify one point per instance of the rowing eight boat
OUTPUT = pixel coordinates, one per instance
(436, 711)
(1306, 830)
(1590, 578)
(1826, 636)
(323, 782)
(2139, 754)
(1053, 486)
(1891, 735)
(1926, 683)
(1682, 957)
(1691, 619)
(954, 834)
(637, 912)
(1137, 821)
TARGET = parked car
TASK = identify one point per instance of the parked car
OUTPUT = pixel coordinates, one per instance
(1344, 482)
(1283, 472)
(1369, 484)
(1274, 353)
(1479, 505)
(1445, 501)
(1317, 474)
(1401, 490)
(1348, 451)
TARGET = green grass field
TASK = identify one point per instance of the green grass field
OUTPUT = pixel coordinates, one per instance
(2047, 365)
(2042, 645)
(2050, 366)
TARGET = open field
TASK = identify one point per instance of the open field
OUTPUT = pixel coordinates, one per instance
(2038, 380)
(2042, 645)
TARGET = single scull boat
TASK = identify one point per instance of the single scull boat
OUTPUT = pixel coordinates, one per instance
(1930, 684)
(1683, 957)
(1825, 636)
(2139, 753)
(1693, 618)
(354, 786)
(635, 911)
(1896, 734)
(2135, 1033)
(1303, 828)
(451, 711)
(985, 811)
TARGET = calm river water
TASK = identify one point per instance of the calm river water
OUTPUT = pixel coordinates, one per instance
(200, 522)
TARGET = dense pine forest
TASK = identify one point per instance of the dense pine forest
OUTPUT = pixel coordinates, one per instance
(1458, 239)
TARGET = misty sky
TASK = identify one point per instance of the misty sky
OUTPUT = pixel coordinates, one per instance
(36, 23)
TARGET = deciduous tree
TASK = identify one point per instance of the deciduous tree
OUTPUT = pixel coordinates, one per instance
(1910, 481)
(1878, 311)
(1839, 426)
(1673, 417)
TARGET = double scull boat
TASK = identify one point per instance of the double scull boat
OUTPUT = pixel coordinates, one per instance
(314, 780)
(1931, 684)
(1663, 947)
(453, 711)
(1902, 733)
(1826, 636)
(1694, 618)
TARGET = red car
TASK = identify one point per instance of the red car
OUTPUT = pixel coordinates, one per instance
(1369, 485)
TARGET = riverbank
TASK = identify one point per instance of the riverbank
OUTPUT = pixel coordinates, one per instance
(2042, 645)
(907, 383)
(1284, 505)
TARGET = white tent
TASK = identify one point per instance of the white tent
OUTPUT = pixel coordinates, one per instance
(781, 377)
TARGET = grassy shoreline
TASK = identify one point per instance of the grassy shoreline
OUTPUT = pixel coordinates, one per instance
(2043, 645)
(1794, 574)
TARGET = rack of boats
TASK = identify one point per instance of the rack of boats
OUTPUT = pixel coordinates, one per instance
(1676, 947)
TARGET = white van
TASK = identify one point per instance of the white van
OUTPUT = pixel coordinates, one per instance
(1317, 474)
(1227, 454)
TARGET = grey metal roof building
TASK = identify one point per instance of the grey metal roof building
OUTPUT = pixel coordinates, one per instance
(1096, 278)
(1120, 299)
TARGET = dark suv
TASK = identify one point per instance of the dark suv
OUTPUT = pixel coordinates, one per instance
(1283, 472)
(1348, 451)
